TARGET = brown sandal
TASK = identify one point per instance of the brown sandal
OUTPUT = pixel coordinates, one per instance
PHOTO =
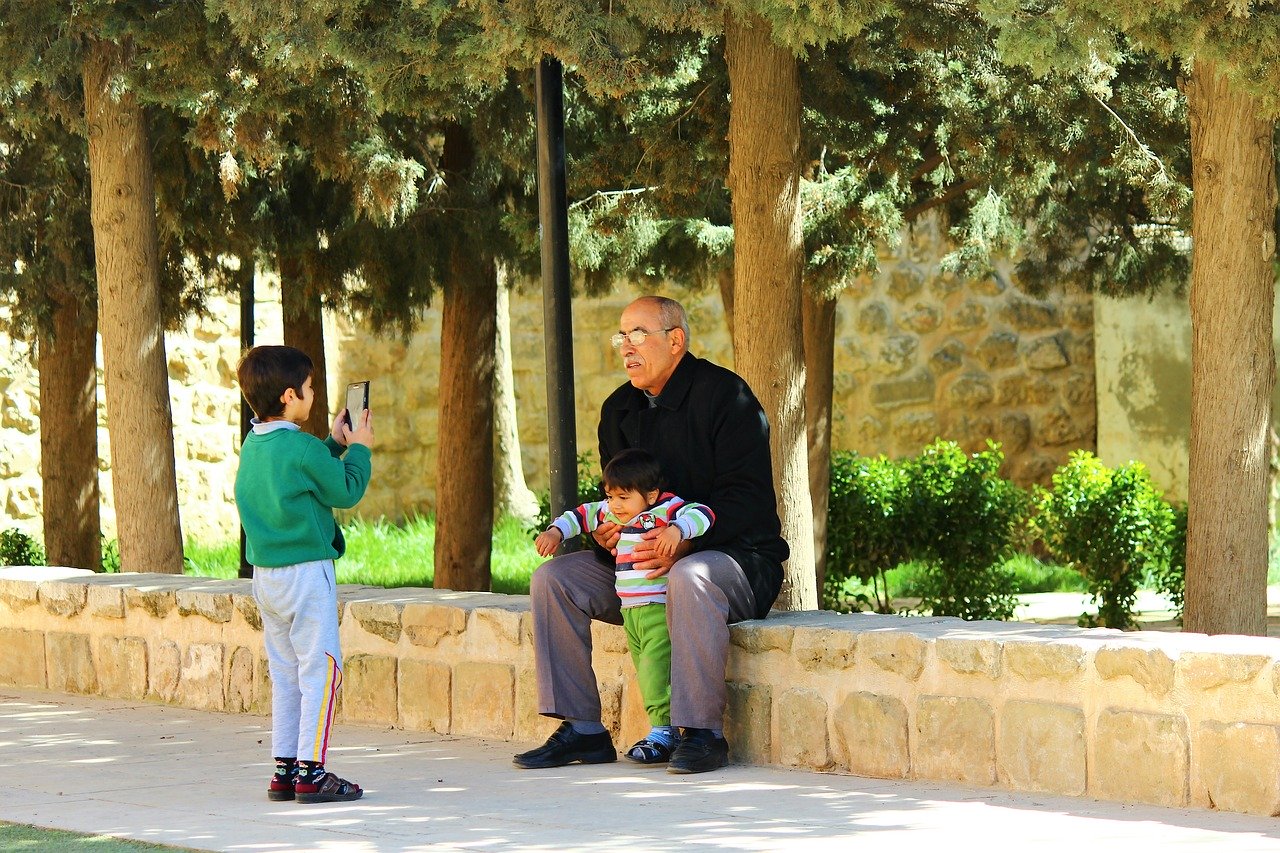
(327, 789)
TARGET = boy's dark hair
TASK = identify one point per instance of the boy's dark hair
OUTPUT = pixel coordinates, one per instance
(633, 470)
(266, 372)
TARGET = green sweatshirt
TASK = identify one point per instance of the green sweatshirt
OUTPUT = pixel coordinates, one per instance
(286, 488)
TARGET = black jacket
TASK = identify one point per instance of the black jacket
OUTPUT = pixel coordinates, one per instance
(711, 437)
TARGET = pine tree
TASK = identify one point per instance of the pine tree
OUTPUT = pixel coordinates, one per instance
(1229, 70)
(46, 268)
(77, 63)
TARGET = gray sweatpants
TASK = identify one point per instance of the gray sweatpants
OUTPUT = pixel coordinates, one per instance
(299, 607)
(707, 592)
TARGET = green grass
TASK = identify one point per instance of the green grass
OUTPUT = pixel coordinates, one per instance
(1029, 575)
(383, 554)
(34, 839)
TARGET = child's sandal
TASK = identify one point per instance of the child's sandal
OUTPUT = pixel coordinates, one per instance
(649, 752)
(327, 789)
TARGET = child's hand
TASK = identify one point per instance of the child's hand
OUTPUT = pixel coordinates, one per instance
(363, 433)
(340, 432)
(667, 541)
(548, 541)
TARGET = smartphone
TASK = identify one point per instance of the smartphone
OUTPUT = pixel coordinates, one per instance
(357, 401)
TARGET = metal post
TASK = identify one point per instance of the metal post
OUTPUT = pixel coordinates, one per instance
(557, 314)
(246, 414)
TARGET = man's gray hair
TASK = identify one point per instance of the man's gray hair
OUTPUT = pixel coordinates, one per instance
(673, 316)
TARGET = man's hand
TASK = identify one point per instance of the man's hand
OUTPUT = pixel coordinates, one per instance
(607, 536)
(645, 557)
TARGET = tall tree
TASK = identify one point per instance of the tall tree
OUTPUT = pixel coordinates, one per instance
(85, 64)
(46, 269)
(1232, 355)
(764, 180)
(512, 495)
(1229, 59)
(127, 259)
(69, 434)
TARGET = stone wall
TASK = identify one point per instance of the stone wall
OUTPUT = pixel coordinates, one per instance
(919, 354)
(1144, 384)
(1170, 719)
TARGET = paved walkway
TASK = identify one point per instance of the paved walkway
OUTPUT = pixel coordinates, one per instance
(197, 779)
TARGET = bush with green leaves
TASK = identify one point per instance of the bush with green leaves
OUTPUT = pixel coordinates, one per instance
(19, 549)
(588, 490)
(1170, 576)
(1112, 525)
(965, 521)
(865, 532)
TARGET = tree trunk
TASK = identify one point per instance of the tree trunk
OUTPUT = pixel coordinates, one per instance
(1232, 357)
(304, 330)
(724, 279)
(123, 211)
(819, 316)
(511, 494)
(764, 180)
(464, 472)
(69, 436)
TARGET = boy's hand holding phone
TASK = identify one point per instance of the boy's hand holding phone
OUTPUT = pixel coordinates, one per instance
(363, 433)
(340, 432)
(548, 541)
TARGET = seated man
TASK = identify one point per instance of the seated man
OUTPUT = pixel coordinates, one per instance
(710, 436)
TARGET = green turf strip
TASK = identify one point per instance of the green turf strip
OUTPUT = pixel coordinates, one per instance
(35, 839)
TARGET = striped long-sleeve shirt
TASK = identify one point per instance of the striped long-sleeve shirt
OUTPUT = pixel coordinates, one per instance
(693, 519)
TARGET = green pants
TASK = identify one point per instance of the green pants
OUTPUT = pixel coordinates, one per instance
(650, 644)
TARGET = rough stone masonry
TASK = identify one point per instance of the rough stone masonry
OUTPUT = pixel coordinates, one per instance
(1164, 718)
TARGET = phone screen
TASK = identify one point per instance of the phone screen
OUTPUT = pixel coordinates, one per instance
(357, 401)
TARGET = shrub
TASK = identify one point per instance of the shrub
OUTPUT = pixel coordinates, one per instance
(1112, 525)
(1170, 574)
(588, 490)
(965, 520)
(110, 555)
(19, 549)
(865, 532)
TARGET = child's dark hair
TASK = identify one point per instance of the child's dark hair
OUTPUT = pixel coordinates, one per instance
(266, 372)
(633, 470)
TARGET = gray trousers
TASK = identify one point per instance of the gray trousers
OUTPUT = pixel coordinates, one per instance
(299, 609)
(707, 591)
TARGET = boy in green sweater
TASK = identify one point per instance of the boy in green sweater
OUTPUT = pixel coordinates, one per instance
(286, 488)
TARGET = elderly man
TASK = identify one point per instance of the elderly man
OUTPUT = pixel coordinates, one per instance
(710, 435)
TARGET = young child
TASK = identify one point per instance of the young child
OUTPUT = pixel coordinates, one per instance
(635, 501)
(286, 488)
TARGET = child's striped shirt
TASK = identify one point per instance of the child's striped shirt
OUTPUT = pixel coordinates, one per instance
(693, 519)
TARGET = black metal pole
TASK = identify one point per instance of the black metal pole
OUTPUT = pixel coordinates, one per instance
(246, 414)
(557, 313)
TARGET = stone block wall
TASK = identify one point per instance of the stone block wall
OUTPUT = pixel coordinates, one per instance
(1171, 719)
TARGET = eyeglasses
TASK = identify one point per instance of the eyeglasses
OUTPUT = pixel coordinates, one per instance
(636, 336)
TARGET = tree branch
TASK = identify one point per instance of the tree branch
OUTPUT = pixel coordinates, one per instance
(915, 211)
(609, 194)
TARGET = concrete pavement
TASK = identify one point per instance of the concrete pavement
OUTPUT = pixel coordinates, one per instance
(197, 779)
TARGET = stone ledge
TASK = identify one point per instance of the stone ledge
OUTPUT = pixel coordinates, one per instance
(1174, 719)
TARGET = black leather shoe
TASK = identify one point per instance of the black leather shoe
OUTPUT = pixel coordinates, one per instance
(699, 751)
(565, 746)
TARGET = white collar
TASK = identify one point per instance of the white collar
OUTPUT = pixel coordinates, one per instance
(262, 428)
